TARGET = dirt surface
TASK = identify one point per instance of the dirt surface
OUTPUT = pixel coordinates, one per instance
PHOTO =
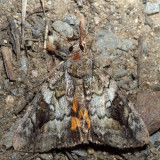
(127, 41)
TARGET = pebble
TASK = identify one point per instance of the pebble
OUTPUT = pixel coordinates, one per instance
(24, 64)
(104, 47)
(16, 155)
(158, 1)
(34, 73)
(60, 156)
(105, 40)
(155, 139)
(35, 32)
(63, 28)
(29, 43)
(5, 41)
(14, 91)
(49, 2)
(9, 99)
(1, 64)
(119, 73)
(27, 25)
(80, 152)
(46, 156)
(6, 83)
(146, 152)
(1, 85)
(145, 47)
(53, 38)
(79, 3)
(151, 8)
(90, 150)
(125, 45)
(2, 92)
(72, 20)
(3, 1)
(5, 114)
(133, 84)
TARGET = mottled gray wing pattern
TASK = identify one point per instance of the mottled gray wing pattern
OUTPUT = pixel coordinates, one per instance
(68, 111)
(47, 122)
(114, 119)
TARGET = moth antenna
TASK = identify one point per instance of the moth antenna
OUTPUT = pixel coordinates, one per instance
(96, 26)
(82, 29)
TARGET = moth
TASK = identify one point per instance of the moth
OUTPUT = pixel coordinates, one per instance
(79, 103)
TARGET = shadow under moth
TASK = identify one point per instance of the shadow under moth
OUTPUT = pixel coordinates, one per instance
(77, 104)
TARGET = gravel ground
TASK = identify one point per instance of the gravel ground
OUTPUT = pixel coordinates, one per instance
(127, 44)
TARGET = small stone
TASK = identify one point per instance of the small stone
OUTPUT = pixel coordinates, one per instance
(49, 2)
(125, 45)
(46, 156)
(151, 8)
(63, 28)
(96, 20)
(16, 155)
(1, 85)
(144, 1)
(155, 139)
(90, 150)
(146, 152)
(6, 83)
(72, 20)
(4, 1)
(104, 47)
(35, 32)
(149, 21)
(80, 3)
(158, 1)
(5, 115)
(9, 99)
(119, 73)
(59, 156)
(80, 152)
(28, 43)
(24, 64)
(19, 79)
(14, 91)
(34, 73)
(133, 84)
(2, 92)
(105, 40)
(5, 41)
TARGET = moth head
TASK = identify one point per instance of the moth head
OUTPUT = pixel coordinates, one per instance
(79, 63)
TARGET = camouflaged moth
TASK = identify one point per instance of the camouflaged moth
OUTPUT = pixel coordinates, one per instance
(79, 103)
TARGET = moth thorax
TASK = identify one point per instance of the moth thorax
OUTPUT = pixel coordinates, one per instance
(79, 66)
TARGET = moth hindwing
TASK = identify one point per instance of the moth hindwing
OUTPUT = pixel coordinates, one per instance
(77, 104)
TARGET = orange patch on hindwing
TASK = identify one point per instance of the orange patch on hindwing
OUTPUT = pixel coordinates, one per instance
(76, 121)
(86, 116)
(75, 105)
